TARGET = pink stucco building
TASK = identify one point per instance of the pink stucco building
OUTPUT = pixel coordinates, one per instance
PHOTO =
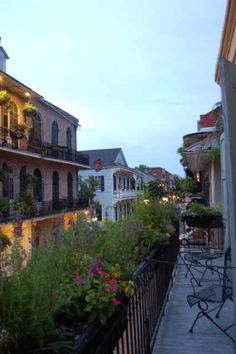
(39, 163)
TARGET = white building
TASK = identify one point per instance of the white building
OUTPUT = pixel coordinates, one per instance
(118, 185)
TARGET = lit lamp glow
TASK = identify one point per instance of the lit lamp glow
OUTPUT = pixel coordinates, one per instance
(197, 176)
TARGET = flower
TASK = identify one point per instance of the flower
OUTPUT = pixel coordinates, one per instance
(116, 301)
(78, 278)
(112, 281)
(102, 273)
(113, 289)
(116, 275)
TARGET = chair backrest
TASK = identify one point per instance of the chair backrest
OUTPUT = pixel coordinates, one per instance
(227, 280)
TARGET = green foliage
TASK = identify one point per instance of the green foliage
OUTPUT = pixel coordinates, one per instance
(181, 148)
(87, 188)
(214, 154)
(152, 221)
(80, 274)
(186, 185)
(4, 98)
(18, 132)
(155, 189)
(29, 110)
(4, 205)
(25, 205)
(3, 174)
(29, 180)
(196, 208)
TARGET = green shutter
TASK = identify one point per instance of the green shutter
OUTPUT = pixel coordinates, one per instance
(102, 183)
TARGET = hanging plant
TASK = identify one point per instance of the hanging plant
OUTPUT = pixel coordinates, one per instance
(29, 110)
(214, 154)
(4, 98)
(18, 132)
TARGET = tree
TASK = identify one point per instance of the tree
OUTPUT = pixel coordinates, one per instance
(87, 188)
(156, 189)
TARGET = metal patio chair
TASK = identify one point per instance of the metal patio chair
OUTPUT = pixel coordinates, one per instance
(215, 294)
(200, 262)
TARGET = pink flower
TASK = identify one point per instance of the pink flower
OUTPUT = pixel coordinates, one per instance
(116, 301)
(78, 278)
(112, 281)
(103, 274)
(113, 288)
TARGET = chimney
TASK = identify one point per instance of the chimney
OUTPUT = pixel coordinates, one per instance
(3, 58)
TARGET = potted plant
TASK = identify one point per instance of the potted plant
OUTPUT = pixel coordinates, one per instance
(18, 132)
(4, 98)
(29, 110)
(4, 205)
(199, 215)
(25, 205)
(3, 174)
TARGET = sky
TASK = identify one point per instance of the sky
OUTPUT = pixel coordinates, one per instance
(137, 74)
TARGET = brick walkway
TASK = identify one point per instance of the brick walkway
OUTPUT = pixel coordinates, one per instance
(174, 337)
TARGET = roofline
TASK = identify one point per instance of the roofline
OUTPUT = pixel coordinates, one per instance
(35, 95)
(105, 149)
(20, 83)
(4, 52)
(60, 111)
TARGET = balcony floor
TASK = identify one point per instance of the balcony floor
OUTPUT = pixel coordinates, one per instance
(173, 335)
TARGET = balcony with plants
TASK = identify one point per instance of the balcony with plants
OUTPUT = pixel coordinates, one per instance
(74, 289)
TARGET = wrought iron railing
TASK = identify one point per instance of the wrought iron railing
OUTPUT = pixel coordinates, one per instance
(45, 208)
(133, 326)
(45, 149)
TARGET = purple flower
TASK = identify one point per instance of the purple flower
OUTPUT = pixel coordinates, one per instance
(92, 212)
(96, 267)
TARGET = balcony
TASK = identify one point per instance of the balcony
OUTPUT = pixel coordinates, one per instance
(174, 336)
(47, 208)
(44, 149)
(125, 194)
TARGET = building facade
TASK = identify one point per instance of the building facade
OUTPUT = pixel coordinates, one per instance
(226, 77)
(38, 161)
(117, 184)
(202, 157)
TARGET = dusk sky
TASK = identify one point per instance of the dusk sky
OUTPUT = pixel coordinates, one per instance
(136, 73)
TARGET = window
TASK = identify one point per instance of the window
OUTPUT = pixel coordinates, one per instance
(127, 183)
(55, 190)
(13, 112)
(100, 183)
(37, 189)
(35, 133)
(114, 183)
(132, 183)
(54, 133)
(22, 180)
(68, 138)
